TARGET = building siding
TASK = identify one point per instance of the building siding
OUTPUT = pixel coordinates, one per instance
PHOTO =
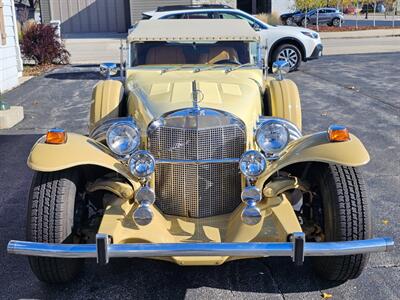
(45, 13)
(282, 6)
(139, 6)
(10, 57)
(62, 10)
(231, 3)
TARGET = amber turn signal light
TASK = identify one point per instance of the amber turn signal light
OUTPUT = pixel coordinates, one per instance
(338, 133)
(56, 136)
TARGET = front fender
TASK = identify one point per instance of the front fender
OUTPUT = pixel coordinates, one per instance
(78, 150)
(318, 148)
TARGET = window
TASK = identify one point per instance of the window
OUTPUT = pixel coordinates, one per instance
(194, 15)
(176, 16)
(203, 15)
(252, 22)
(183, 53)
(2, 26)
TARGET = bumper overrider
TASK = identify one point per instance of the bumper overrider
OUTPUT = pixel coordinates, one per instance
(297, 248)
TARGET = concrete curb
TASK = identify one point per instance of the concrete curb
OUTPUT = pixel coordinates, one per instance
(360, 34)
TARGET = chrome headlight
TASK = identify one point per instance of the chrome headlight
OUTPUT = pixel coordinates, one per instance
(123, 138)
(142, 164)
(252, 163)
(272, 136)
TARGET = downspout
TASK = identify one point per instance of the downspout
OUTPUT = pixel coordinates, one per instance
(16, 37)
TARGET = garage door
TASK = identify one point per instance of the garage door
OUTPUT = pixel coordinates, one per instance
(79, 16)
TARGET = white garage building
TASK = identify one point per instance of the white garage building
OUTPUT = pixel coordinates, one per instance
(10, 56)
(88, 16)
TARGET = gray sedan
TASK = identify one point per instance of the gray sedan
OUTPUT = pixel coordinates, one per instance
(329, 16)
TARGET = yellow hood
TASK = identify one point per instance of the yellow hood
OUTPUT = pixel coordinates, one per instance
(153, 93)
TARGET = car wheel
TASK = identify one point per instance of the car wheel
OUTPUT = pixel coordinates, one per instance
(289, 21)
(51, 215)
(289, 53)
(336, 22)
(345, 216)
(303, 22)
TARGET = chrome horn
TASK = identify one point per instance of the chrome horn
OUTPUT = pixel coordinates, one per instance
(251, 214)
(108, 69)
(145, 197)
(280, 67)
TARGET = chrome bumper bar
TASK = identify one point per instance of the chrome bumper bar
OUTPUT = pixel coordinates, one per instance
(296, 249)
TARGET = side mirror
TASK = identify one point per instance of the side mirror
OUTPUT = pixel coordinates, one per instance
(108, 69)
(256, 27)
(280, 67)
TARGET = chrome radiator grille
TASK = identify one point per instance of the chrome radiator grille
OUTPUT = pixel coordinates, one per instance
(197, 189)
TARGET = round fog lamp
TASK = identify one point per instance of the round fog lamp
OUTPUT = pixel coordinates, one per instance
(252, 163)
(142, 164)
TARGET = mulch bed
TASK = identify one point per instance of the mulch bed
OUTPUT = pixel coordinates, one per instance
(36, 70)
(348, 28)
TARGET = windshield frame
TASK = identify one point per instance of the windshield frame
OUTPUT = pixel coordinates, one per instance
(257, 59)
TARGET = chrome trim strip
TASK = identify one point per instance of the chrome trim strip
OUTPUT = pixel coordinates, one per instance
(201, 249)
(184, 113)
(99, 132)
(294, 132)
(198, 161)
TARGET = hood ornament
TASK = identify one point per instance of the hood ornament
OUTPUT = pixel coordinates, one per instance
(197, 97)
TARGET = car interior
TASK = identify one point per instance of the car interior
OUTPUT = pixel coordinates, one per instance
(161, 53)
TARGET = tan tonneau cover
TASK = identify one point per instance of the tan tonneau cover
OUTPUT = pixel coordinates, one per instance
(193, 30)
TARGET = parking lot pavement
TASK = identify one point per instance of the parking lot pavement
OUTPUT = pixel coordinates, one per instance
(361, 45)
(361, 91)
(98, 50)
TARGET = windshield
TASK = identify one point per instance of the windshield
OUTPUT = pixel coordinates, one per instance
(204, 53)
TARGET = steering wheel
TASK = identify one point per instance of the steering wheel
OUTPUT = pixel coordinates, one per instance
(226, 61)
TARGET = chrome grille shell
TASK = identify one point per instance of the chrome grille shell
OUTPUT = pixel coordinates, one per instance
(188, 182)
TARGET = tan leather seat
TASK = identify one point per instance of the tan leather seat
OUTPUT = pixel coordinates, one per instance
(216, 54)
(165, 55)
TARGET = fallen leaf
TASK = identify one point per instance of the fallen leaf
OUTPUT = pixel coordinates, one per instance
(324, 114)
(326, 295)
(385, 222)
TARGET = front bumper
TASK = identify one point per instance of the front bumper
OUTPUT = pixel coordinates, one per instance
(317, 53)
(296, 249)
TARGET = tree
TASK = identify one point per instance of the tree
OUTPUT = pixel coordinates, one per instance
(305, 5)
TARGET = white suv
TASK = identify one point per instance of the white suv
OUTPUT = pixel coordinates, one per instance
(293, 44)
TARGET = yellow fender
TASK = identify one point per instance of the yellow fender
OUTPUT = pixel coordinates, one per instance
(106, 99)
(78, 150)
(284, 100)
(318, 148)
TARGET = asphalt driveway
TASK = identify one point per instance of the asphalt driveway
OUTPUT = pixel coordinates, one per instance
(361, 91)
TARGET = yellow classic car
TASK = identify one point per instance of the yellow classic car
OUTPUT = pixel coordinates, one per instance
(196, 156)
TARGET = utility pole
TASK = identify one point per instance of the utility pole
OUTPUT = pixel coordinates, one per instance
(374, 13)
